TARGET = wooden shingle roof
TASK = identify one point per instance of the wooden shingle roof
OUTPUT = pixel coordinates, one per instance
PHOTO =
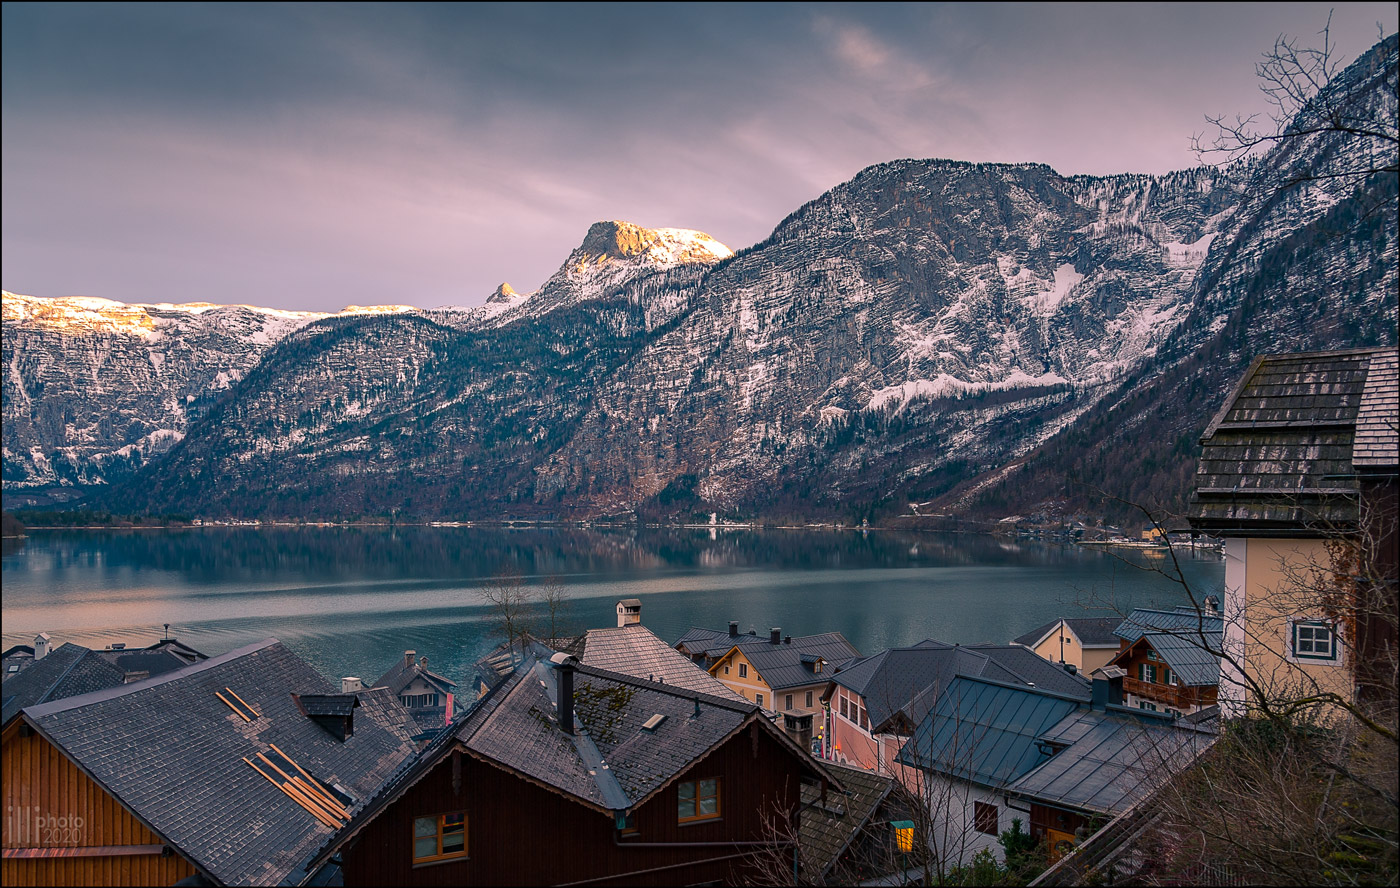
(1279, 456)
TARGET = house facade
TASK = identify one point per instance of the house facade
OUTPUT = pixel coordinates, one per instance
(1086, 643)
(233, 769)
(429, 697)
(632, 782)
(1298, 475)
(1171, 658)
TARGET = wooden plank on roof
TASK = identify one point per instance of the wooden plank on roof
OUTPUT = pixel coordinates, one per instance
(231, 706)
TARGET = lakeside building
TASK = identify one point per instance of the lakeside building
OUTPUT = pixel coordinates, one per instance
(1298, 472)
(636, 782)
(991, 752)
(429, 697)
(232, 770)
(1170, 658)
(1086, 643)
(876, 702)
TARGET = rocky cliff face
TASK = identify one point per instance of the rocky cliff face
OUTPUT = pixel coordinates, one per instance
(967, 336)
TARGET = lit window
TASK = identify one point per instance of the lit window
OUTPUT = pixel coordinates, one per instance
(985, 818)
(439, 838)
(698, 800)
(1314, 640)
(743, 670)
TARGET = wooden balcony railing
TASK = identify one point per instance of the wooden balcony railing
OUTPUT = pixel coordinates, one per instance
(1167, 695)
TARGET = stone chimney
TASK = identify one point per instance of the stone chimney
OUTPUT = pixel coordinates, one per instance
(629, 612)
(423, 661)
(42, 645)
(408, 659)
(351, 685)
(775, 635)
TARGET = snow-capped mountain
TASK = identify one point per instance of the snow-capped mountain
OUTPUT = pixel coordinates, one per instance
(974, 336)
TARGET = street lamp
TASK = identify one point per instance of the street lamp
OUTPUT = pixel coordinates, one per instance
(903, 843)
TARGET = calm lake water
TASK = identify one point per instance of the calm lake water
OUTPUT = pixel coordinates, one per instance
(351, 600)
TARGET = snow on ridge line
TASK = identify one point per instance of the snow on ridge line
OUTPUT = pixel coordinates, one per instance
(944, 385)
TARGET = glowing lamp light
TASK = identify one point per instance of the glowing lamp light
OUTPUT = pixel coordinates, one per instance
(903, 835)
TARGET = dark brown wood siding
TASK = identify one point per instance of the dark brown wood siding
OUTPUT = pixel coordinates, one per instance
(519, 832)
(52, 805)
(1044, 818)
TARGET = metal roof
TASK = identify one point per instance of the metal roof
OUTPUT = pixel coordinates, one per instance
(790, 665)
(986, 731)
(172, 751)
(1109, 760)
(1279, 455)
(1183, 622)
(1189, 657)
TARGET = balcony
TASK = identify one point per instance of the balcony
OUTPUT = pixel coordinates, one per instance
(1169, 695)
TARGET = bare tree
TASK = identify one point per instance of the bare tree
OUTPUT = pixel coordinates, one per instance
(1310, 100)
(555, 613)
(512, 606)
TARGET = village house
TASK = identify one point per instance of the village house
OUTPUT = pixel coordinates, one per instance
(782, 674)
(229, 771)
(633, 781)
(1170, 658)
(429, 697)
(1086, 643)
(877, 701)
(992, 752)
(1298, 472)
(42, 673)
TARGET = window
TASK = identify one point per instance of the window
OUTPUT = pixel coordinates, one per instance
(440, 837)
(1166, 675)
(697, 800)
(1314, 640)
(984, 818)
(816, 667)
(787, 701)
(809, 699)
(758, 698)
(743, 670)
(844, 712)
(627, 824)
(726, 669)
(1143, 704)
(1147, 672)
(864, 719)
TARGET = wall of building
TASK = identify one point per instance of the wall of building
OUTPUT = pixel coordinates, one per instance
(749, 687)
(952, 819)
(508, 814)
(1277, 579)
(51, 804)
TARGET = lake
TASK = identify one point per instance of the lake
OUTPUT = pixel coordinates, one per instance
(351, 600)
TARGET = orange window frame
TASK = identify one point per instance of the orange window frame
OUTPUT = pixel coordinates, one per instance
(698, 795)
(440, 832)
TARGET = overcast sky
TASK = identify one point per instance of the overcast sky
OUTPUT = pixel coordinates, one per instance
(311, 157)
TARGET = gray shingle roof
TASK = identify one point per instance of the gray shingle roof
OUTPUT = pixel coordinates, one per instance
(402, 674)
(1377, 442)
(824, 832)
(783, 665)
(69, 669)
(831, 645)
(172, 751)
(1280, 452)
(1031, 668)
(636, 651)
(1091, 631)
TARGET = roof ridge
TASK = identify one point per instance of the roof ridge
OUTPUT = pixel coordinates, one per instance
(121, 690)
(1030, 689)
(672, 689)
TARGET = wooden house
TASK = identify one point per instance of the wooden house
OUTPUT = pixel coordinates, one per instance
(565, 773)
(1170, 659)
(1298, 473)
(231, 770)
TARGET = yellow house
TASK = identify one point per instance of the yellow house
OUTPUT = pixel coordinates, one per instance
(1298, 460)
(782, 674)
(1086, 643)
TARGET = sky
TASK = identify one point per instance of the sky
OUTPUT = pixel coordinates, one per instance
(311, 157)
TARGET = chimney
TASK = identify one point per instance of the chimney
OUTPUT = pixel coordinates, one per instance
(787, 639)
(775, 635)
(408, 659)
(733, 628)
(565, 682)
(1070, 668)
(351, 685)
(629, 612)
(423, 661)
(1211, 606)
(42, 644)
